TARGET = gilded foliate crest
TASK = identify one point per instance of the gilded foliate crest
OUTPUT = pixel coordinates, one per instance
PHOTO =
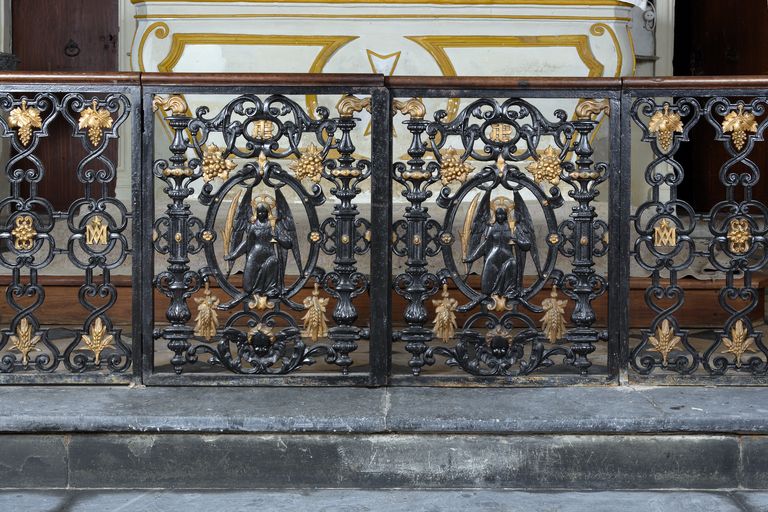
(664, 340)
(738, 124)
(25, 119)
(96, 120)
(309, 165)
(97, 339)
(664, 124)
(547, 167)
(215, 165)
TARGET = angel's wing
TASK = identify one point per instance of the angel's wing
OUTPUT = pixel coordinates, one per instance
(287, 227)
(525, 223)
(242, 219)
(475, 225)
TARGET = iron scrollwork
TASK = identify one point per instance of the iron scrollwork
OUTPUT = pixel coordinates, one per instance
(259, 234)
(731, 239)
(500, 335)
(96, 225)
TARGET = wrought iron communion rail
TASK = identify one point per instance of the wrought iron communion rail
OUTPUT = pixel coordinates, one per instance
(356, 230)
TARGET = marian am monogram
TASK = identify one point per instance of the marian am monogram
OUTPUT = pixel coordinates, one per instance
(96, 232)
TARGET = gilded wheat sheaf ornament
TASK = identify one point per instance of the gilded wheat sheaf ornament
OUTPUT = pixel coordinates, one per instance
(445, 315)
(207, 319)
(739, 343)
(24, 340)
(97, 339)
(664, 340)
(315, 322)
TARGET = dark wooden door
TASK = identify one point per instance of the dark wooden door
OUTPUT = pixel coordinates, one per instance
(718, 37)
(65, 35)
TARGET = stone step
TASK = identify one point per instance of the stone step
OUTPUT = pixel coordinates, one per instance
(527, 438)
(388, 500)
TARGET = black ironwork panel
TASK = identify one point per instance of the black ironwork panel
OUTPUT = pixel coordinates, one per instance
(68, 313)
(699, 332)
(263, 252)
(498, 239)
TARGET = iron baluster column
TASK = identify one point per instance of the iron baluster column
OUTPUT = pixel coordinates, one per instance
(414, 282)
(178, 282)
(582, 281)
(347, 281)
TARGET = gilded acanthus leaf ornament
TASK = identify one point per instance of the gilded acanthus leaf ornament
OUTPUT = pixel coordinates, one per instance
(664, 341)
(207, 319)
(215, 165)
(315, 322)
(309, 165)
(664, 124)
(25, 119)
(739, 235)
(445, 315)
(452, 168)
(547, 167)
(24, 233)
(738, 124)
(24, 340)
(553, 321)
(739, 343)
(97, 339)
(96, 120)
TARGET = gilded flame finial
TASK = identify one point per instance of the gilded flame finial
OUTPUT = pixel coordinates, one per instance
(445, 315)
(413, 107)
(174, 104)
(315, 322)
(349, 105)
(589, 109)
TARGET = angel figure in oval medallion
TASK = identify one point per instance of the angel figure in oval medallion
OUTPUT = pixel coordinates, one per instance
(263, 230)
(500, 231)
